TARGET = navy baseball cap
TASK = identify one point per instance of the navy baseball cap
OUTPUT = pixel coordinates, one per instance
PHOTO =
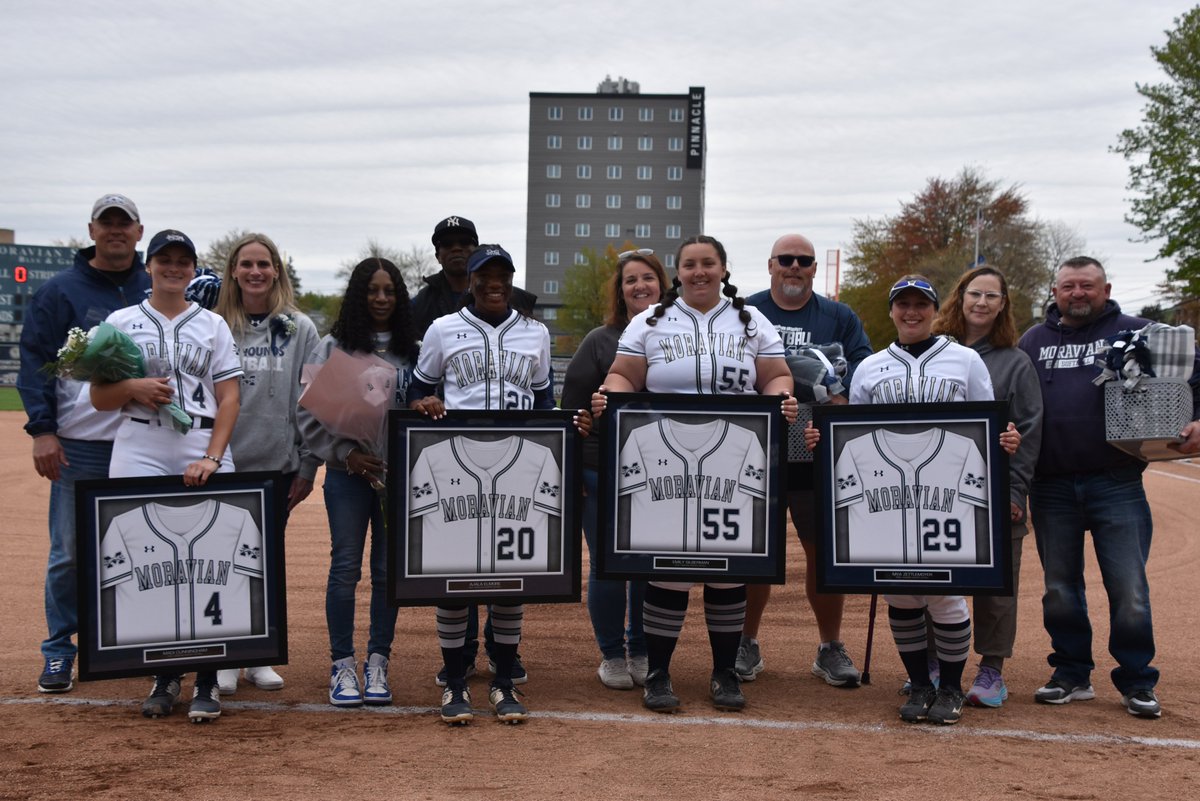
(170, 237)
(451, 224)
(488, 253)
(916, 283)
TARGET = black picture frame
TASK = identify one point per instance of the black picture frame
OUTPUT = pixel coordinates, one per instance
(137, 617)
(645, 530)
(940, 461)
(533, 559)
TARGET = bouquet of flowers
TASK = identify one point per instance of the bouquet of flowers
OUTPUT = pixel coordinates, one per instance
(104, 355)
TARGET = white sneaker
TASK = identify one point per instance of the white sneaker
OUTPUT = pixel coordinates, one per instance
(614, 674)
(264, 678)
(227, 681)
(344, 689)
(639, 668)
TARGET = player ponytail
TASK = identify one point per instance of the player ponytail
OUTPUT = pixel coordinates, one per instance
(739, 303)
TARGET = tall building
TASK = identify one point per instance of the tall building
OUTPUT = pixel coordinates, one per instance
(609, 168)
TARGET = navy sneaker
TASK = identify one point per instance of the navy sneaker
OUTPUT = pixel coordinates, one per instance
(441, 680)
(519, 676)
(58, 676)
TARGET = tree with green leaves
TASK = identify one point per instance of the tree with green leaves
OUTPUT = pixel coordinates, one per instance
(934, 234)
(585, 292)
(414, 264)
(1164, 157)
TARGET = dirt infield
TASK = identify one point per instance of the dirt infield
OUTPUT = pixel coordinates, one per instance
(797, 739)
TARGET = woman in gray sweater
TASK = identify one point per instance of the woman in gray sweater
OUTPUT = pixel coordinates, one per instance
(978, 314)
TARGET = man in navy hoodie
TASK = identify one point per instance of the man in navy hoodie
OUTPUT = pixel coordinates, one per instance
(1083, 484)
(71, 440)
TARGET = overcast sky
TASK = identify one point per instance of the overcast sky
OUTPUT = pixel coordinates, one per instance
(325, 124)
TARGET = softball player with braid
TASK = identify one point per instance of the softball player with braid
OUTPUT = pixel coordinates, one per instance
(667, 348)
(488, 356)
(921, 368)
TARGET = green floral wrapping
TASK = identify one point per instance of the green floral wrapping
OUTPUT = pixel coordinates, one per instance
(105, 355)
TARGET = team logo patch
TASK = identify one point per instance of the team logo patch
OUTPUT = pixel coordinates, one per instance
(755, 473)
(249, 552)
(634, 469)
(422, 490)
(847, 482)
(972, 480)
(117, 558)
(548, 489)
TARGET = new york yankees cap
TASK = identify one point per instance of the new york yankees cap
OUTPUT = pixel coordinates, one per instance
(454, 223)
(115, 201)
(487, 253)
(169, 237)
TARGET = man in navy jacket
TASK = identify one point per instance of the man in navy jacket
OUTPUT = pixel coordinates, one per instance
(1083, 484)
(71, 440)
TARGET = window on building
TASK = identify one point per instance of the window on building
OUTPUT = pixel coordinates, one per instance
(641, 231)
(585, 113)
(551, 229)
(553, 200)
(550, 287)
(554, 142)
(616, 114)
(614, 172)
(549, 314)
(674, 232)
(612, 230)
(554, 171)
(675, 143)
(580, 258)
(645, 115)
(612, 201)
(645, 173)
(676, 115)
(583, 201)
(584, 143)
(583, 229)
(554, 112)
(583, 171)
(674, 173)
(669, 262)
(551, 257)
(643, 201)
(645, 143)
(614, 143)
(674, 202)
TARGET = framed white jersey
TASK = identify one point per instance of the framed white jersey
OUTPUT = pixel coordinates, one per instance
(911, 497)
(485, 366)
(692, 487)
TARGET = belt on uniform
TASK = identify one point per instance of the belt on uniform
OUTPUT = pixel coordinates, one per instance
(197, 422)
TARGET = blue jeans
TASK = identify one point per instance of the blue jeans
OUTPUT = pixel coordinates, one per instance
(608, 599)
(88, 459)
(351, 504)
(1112, 505)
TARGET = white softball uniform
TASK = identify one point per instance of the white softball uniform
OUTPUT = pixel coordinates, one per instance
(485, 507)
(196, 350)
(911, 497)
(181, 573)
(706, 353)
(485, 366)
(945, 372)
(697, 483)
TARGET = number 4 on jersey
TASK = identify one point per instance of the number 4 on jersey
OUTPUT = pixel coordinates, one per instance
(213, 608)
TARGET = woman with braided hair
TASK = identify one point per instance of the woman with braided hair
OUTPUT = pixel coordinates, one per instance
(666, 349)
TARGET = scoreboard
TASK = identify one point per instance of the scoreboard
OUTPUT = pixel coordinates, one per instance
(23, 269)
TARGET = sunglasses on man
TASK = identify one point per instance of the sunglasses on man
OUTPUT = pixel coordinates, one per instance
(787, 259)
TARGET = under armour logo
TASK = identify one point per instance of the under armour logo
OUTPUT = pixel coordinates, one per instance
(662, 462)
(972, 480)
(548, 489)
(878, 472)
(628, 470)
(847, 482)
(452, 222)
(248, 552)
(135, 325)
(461, 335)
(148, 549)
(117, 558)
(456, 481)
(422, 490)
(672, 319)
(755, 473)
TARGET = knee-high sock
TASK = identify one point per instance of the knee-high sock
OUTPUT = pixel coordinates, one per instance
(452, 630)
(909, 632)
(954, 645)
(663, 613)
(506, 625)
(725, 613)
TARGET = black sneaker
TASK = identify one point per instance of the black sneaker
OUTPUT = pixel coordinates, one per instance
(504, 701)
(442, 680)
(519, 676)
(206, 700)
(456, 704)
(727, 690)
(657, 693)
(162, 697)
(947, 706)
(58, 676)
(1143, 704)
(1059, 692)
(916, 708)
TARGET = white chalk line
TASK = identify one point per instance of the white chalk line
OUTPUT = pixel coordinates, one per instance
(1172, 475)
(959, 730)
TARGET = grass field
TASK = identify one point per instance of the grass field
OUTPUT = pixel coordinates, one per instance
(10, 401)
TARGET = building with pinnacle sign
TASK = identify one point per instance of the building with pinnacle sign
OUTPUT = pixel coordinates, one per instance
(614, 167)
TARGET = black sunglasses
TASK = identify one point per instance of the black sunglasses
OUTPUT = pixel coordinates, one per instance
(786, 259)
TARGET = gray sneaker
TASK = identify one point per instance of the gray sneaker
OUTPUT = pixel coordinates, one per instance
(639, 667)
(749, 660)
(1142, 703)
(162, 698)
(833, 664)
(614, 674)
(1059, 692)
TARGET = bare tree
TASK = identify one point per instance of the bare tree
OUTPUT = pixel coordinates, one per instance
(414, 264)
